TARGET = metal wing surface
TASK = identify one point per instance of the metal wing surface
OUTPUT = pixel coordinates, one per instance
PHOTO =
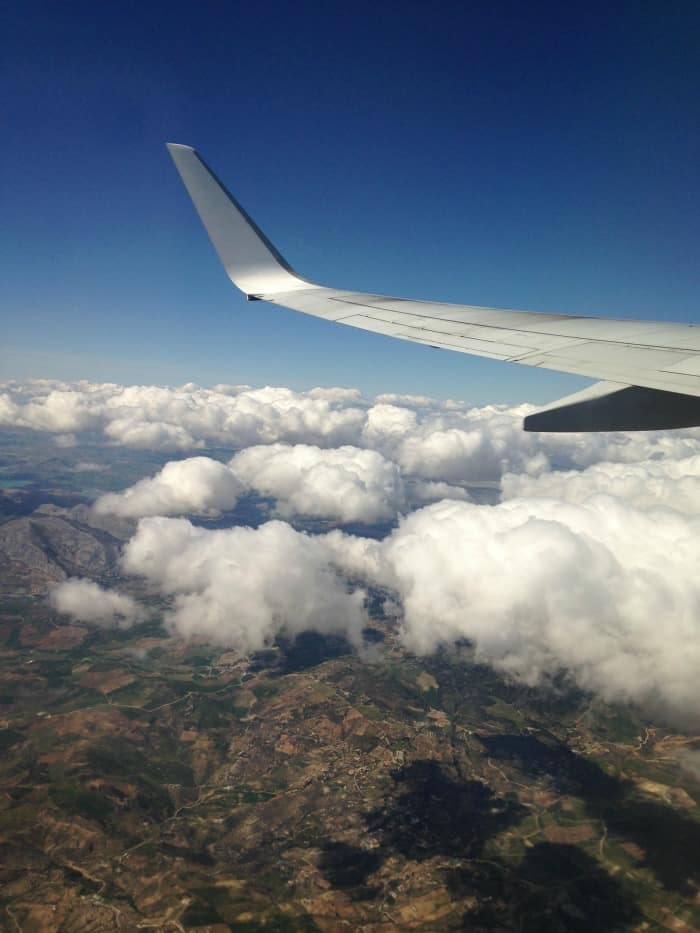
(651, 371)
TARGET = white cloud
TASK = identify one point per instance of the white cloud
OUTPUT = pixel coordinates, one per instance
(90, 466)
(387, 425)
(86, 601)
(421, 491)
(65, 440)
(197, 486)
(346, 483)
(604, 591)
(150, 435)
(241, 586)
(453, 445)
(649, 484)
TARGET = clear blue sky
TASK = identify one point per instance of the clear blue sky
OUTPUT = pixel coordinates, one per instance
(528, 155)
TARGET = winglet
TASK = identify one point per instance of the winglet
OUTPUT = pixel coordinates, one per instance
(251, 261)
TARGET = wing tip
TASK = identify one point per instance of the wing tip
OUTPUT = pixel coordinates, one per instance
(251, 261)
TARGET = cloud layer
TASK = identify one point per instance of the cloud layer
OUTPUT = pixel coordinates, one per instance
(184, 418)
(587, 566)
(430, 440)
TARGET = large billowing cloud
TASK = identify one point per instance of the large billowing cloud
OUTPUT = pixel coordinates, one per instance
(88, 602)
(347, 483)
(242, 586)
(453, 445)
(199, 485)
(604, 591)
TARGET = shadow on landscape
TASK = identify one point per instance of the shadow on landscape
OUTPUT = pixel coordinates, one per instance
(309, 649)
(436, 815)
(670, 839)
(554, 889)
(347, 867)
(431, 814)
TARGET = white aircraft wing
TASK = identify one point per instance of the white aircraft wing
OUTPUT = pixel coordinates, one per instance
(650, 371)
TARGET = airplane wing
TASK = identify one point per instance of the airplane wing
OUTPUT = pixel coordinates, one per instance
(650, 371)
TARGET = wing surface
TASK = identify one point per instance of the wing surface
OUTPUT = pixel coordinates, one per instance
(657, 356)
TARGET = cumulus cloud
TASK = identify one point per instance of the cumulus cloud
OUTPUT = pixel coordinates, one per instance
(65, 440)
(241, 586)
(86, 601)
(421, 491)
(90, 466)
(198, 485)
(673, 484)
(346, 483)
(605, 592)
(452, 444)
(150, 435)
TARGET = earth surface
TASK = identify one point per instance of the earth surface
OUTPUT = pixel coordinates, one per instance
(150, 783)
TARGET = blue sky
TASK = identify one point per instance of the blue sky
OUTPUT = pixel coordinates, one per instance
(538, 155)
